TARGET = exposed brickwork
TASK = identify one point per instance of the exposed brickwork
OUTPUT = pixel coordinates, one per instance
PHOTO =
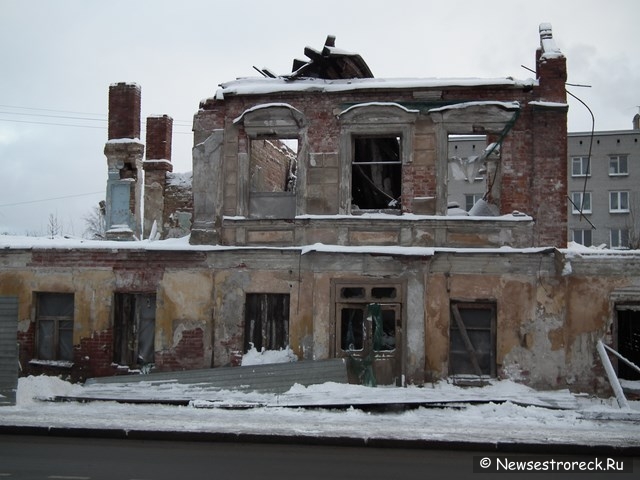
(269, 167)
(159, 133)
(94, 356)
(124, 111)
(188, 354)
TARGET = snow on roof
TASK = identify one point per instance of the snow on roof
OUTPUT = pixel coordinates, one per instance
(263, 106)
(125, 140)
(549, 104)
(506, 105)
(378, 104)
(261, 86)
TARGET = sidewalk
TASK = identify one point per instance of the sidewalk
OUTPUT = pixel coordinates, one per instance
(501, 417)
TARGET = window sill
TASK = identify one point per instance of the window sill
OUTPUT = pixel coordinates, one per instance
(52, 363)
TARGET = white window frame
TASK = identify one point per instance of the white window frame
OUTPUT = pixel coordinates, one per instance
(617, 238)
(578, 236)
(615, 162)
(618, 195)
(584, 167)
(475, 196)
(576, 199)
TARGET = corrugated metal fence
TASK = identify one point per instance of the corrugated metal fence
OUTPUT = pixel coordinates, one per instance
(8, 350)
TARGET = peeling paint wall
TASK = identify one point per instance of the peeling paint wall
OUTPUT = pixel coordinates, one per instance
(548, 317)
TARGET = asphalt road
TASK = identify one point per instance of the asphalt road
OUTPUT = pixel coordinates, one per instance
(63, 458)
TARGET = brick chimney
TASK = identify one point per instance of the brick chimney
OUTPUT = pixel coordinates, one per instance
(124, 110)
(156, 166)
(124, 152)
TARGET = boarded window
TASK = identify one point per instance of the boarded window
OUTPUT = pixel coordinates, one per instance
(472, 339)
(134, 329)
(376, 173)
(54, 319)
(266, 321)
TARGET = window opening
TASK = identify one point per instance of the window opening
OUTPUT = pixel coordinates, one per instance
(352, 292)
(383, 292)
(582, 236)
(266, 321)
(54, 318)
(472, 339)
(273, 165)
(581, 200)
(580, 167)
(619, 238)
(619, 202)
(618, 165)
(376, 173)
(352, 328)
(629, 341)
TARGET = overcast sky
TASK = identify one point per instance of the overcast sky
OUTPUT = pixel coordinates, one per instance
(58, 58)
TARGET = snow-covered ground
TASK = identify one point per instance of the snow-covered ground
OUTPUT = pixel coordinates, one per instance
(514, 415)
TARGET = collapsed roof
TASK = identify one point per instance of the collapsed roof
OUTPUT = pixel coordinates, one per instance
(329, 64)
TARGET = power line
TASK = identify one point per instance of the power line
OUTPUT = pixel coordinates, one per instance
(49, 199)
(54, 116)
(52, 110)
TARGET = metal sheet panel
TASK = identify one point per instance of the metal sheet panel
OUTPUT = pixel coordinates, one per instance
(8, 350)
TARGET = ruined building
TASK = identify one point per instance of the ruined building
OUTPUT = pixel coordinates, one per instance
(317, 217)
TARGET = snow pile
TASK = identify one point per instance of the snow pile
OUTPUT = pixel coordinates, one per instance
(255, 357)
(32, 388)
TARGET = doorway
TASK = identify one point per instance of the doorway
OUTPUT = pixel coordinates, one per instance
(134, 329)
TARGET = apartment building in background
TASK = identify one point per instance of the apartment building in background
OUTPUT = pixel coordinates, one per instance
(603, 184)
(604, 187)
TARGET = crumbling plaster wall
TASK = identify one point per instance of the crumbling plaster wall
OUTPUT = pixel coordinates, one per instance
(184, 305)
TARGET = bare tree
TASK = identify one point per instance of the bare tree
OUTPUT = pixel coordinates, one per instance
(95, 222)
(54, 227)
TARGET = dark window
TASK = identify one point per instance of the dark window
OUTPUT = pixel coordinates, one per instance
(54, 319)
(134, 329)
(352, 328)
(629, 342)
(352, 292)
(472, 339)
(376, 173)
(383, 292)
(266, 321)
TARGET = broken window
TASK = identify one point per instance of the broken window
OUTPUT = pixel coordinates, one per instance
(376, 173)
(368, 318)
(54, 323)
(472, 339)
(134, 329)
(628, 340)
(266, 321)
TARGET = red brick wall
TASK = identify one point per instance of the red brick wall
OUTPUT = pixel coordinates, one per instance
(159, 132)
(188, 354)
(124, 111)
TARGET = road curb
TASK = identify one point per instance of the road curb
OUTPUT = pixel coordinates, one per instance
(325, 440)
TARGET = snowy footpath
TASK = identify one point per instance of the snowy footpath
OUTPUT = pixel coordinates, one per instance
(500, 416)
